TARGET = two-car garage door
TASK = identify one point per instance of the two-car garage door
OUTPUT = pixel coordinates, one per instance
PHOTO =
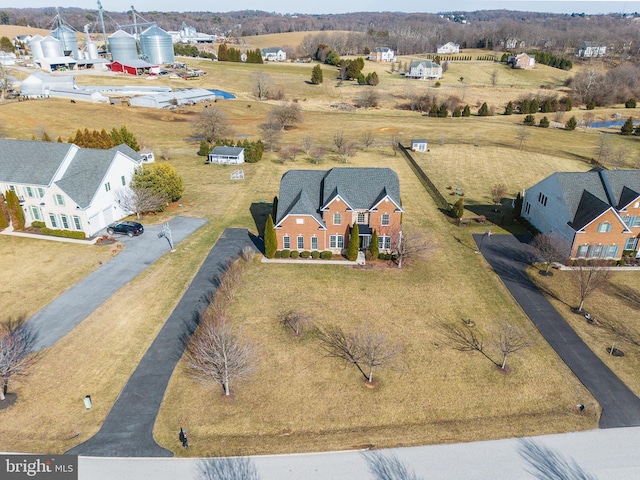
(100, 220)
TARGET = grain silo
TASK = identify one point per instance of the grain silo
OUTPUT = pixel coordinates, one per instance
(157, 46)
(51, 47)
(92, 51)
(123, 46)
(36, 48)
(68, 40)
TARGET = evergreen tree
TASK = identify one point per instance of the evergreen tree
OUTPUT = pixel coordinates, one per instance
(571, 124)
(316, 75)
(568, 103)
(529, 120)
(15, 210)
(466, 111)
(525, 106)
(372, 79)
(484, 110)
(204, 149)
(4, 216)
(457, 112)
(223, 52)
(270, 238)
(627, 128)
(433, 111)
(120, 136)
(509, 109)
(458, 208)
(374, 248)
(354, 243)
(631, 103)
(544, 122)
(534, 106)
(46, 137)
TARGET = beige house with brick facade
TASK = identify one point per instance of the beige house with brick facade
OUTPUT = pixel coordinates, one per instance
(597, 211)
(317, 208)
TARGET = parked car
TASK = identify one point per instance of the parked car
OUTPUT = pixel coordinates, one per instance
(128, 228)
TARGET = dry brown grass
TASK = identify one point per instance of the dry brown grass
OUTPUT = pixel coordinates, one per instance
(618, 303)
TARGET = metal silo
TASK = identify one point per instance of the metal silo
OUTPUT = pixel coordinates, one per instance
(68, 40)
(51, 47)
(92, 51)
(123, 46)
(157, 46)
(36, 48)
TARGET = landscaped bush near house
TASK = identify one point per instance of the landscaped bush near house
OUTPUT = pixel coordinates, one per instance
(278, 254)
(285, 253)
(305, 254)
(315, 254)
(62, 233)
(38, 224)
(326, 255)
(295, 253)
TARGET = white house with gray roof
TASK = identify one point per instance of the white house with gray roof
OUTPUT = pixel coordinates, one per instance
(273, 54)
(425, 69)
(226, 155)
(597, 212)
(65, 186)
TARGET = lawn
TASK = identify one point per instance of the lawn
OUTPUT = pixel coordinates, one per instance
(297, 399)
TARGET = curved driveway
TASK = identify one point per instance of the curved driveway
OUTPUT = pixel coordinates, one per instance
(128, 429)
(509, 256)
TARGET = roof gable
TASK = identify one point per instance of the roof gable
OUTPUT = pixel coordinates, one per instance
(30, 162)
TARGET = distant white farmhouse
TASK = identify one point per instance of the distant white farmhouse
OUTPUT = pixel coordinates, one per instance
(226, 155)
(591, 50)
(382, 54)
(424, 69)
(273, 54)
(448, 48)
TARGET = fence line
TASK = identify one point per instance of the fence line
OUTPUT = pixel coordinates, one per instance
(429, 186)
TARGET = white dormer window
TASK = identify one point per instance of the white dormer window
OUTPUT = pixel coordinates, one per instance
(299, 221)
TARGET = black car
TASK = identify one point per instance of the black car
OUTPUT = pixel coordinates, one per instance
(129, 228)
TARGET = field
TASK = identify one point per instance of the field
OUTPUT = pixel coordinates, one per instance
(298, 400)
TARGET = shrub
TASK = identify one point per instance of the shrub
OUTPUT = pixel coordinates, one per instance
(591, 105)
(437, 84)
(466, 111)
(631, 103)
(484, 110)
(63, 233)
(15, 210)
(305, 254)
(326, 255)
(315, 254)
(544, 122)
(529, 120)
(571, 124)
(38, 224)
(278, 254)
(285, 253)
(295, 253)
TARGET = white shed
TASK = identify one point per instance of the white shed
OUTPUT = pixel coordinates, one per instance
(226, 155)
(419, 145)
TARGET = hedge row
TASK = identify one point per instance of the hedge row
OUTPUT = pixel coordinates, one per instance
(62, 233)
(326, 255)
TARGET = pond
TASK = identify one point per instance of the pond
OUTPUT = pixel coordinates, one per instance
(225, 95)
(610, 123)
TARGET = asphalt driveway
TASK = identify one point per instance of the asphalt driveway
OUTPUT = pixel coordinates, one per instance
(59, 317)
(510, 256)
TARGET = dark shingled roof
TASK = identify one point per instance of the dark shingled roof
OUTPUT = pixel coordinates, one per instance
(29, 162)
(227, 151)
(307, 192)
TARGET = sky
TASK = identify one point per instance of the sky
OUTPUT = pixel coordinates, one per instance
(342, 6)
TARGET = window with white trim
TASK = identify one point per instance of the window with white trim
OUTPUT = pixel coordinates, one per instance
(58, 199)
(314, 243)
(65, 221)
(631, 221)
(29, 191)
(336, 241)
(361, 217)
(54, 220)
(35, 214)
(107, 186)
(582, 252)
(40, 192)
(604, 227)
(631, 244)
(612, 251)
(299, 221)
(286, 242)
(77, 223)
(337, 219)
(124, 181)
(300, 242)
(597, 251)
(385, 219)
(384, 242)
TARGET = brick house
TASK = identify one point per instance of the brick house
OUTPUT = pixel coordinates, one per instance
(598, 211)
(522, 61)
(317, 209)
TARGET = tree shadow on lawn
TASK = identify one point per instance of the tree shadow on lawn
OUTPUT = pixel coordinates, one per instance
(628, 295)
(260, 211)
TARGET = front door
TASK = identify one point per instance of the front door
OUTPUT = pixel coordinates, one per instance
(365, 240)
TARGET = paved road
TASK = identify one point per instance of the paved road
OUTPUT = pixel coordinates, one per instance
(509, 256)
(610, 454)
(59, 317)
(128, 429)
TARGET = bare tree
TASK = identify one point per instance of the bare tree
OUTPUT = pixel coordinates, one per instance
(286, 153)
(262, 84)
(551, 248)
(388, 467)
(347, 151)
(17, 342)
(318, 153)
(165, 154)
(140, 199)
(587, 83)
(217, 356)
(362, 348)
(409, 246)
(295, 320)
(271, 134)
(498, 192)
(621, 332)
(589, 276)
(603, 150)
(587, 119)
(394, 141)
(307, 143)
(510, 340)
(494, 78)
(212, 124)
(287, 115)
(368, 98)
(522, 136)
(368, 138)
(339, 139)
